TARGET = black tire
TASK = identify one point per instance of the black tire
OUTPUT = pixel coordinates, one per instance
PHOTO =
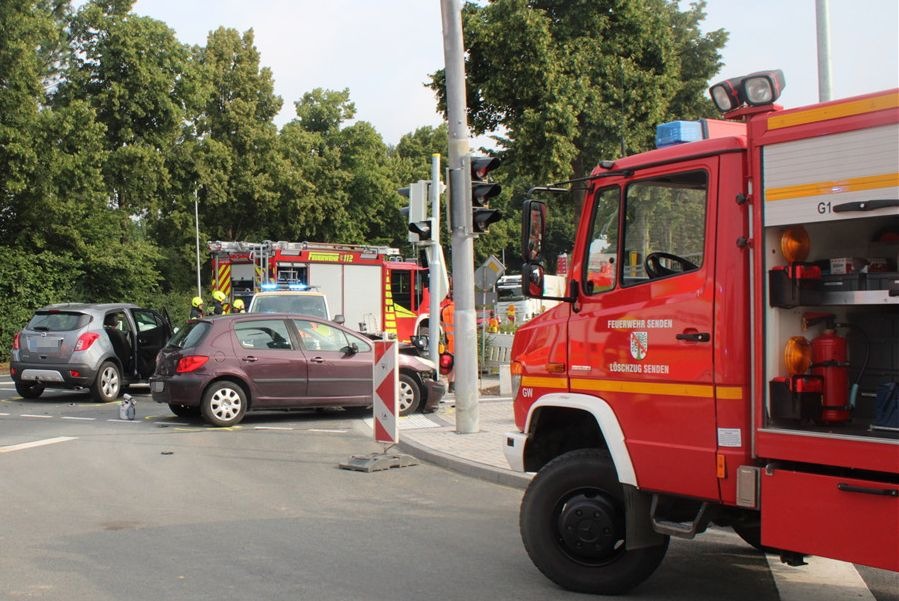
(108, 384)
(409, 395)
(29, 390)
(184, 410)
(224, 404)
(573, 526)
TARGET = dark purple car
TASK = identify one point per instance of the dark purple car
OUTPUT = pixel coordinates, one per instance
(222, 367)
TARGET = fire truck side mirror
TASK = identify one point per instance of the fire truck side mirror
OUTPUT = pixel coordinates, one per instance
(533, 226)
(532, 282)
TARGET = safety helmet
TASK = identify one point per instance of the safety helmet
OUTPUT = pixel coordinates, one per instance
(237, 305)
(219, 296)
(196, 302)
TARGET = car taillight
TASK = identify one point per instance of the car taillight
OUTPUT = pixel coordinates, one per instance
(86, 340)
(190, 363)
(15, 342)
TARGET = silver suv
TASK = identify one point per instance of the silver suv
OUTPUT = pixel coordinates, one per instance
(76, 346)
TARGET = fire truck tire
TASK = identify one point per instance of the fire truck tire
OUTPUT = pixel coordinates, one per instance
(224, 404)
(184, 410)
(29, 390)
(108, 384)
(573, 526)
(410, 395)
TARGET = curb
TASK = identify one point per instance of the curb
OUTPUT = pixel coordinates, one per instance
(464, 466)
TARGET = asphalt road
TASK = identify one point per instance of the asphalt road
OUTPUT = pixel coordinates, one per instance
(168, 508)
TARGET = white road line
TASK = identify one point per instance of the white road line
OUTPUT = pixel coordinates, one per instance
(271, 428)
(40, 416)
(327, 431)
(36, 443)
(4, 413)
(86, 419)
(123, 421)
(821, 580)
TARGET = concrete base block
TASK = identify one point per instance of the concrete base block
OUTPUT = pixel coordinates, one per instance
(377, 462)
(505, 379)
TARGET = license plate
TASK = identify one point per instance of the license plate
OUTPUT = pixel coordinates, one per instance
(47, 343)
(157, 386)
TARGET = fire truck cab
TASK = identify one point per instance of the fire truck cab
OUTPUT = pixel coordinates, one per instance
(727, 350)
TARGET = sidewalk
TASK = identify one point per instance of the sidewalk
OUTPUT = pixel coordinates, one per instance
(432, 437)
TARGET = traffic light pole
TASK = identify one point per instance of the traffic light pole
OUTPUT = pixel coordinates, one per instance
(466, 357)
(434, 264)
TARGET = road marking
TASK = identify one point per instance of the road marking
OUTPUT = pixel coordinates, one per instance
(86, 419)
(271, 428)
(327, 431)
(123, 421)
(36, 443)
(4, 413)
(40, 416)
(821, 580)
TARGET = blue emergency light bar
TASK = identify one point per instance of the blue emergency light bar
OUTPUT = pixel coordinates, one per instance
(285, 285)
(678, 132)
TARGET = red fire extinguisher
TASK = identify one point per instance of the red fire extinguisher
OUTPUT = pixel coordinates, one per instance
(829, 360)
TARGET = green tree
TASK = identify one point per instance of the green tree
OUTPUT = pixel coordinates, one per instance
(237, 151)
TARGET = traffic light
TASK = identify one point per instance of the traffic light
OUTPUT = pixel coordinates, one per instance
(481, 192)
(420, 227)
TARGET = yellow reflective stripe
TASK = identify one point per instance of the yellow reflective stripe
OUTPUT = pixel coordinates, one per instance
(691, 390)
(889, 100)
(852, 184)
(732, 393)
(544, 382)
(664, 388)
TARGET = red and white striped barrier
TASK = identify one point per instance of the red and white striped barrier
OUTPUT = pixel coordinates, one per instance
(386, 387)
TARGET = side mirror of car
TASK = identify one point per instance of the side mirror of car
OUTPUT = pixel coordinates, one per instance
(351, 349)
(339, 319)
(420, 342)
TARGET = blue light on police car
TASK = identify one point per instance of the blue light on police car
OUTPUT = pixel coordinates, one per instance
(269, 286)
(678, 132)
(296, 286)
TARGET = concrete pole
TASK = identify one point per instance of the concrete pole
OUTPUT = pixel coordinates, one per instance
(435, 269)
(197, 226)
(824, 70)
(466, 357)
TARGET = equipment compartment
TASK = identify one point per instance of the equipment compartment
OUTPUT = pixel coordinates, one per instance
(822, 527)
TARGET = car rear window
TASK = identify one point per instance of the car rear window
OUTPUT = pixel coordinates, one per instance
(58, 321)
(303, 305)
(190, 335)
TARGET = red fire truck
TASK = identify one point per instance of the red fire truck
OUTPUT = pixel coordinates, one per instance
(728, 348)
(373, 287)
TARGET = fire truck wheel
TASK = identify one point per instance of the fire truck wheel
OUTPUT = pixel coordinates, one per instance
(224, 404)
(573, 526)
(29, 390)
(410, 395)
(108, 385)
(184, 410)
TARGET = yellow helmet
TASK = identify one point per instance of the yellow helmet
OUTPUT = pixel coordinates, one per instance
(237, 305)
(219, 296)
(196, 302)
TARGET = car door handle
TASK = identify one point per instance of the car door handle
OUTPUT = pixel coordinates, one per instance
(250, 359)
(694, 336)
(316, 360)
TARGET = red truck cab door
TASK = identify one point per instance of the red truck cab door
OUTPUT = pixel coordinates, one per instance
(641, 331)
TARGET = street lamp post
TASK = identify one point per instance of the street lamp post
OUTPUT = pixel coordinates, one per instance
(197, 228)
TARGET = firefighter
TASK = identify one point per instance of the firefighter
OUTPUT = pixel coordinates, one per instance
(196, 307)
(218, 299)
(493, 323)
(510, 314)
(237, 306)
(447, 321)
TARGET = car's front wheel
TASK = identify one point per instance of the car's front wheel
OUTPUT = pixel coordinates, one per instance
(410, 395)
(224, 404)
(29, 390)
(108, 384)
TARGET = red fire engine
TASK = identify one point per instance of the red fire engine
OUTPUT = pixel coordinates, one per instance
(728, 349)
(373, 287)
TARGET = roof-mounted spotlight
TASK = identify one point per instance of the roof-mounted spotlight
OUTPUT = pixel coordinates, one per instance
(756, 89)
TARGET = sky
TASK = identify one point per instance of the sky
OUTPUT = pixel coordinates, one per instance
(384, 50)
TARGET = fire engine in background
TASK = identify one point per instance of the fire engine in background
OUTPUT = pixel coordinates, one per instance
(373, 287)
(727, 351)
